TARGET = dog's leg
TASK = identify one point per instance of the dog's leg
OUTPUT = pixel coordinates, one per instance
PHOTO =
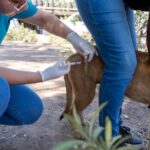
(81, 83)
(84, 95)
(80, 92)
(69, 96)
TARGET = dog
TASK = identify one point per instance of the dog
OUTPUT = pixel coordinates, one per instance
(82, 79)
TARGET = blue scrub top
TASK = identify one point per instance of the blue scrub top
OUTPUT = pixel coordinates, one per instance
(5, 20)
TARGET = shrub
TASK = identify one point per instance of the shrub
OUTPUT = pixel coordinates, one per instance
(21, 34)
(141, 19)
(91, 136)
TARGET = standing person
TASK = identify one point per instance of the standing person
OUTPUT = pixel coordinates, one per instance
(111, 24)
(18, 103)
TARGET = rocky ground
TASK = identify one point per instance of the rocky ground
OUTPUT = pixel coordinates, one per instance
(48, 131)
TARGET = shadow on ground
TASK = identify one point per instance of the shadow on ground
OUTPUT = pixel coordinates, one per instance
(48, 130)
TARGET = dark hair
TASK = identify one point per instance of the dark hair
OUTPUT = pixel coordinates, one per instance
(16, 1)
(143, 5)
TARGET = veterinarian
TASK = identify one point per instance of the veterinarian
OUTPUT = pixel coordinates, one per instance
(111, 23)
(19, 104)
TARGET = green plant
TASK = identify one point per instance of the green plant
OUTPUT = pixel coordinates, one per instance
(140, 26)
(56, 39)
(91, 139)
(21, 34)
(141, 19)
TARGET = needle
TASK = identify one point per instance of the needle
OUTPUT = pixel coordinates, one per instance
(75, 63)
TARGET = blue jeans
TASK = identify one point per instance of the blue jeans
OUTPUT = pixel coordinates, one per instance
(19, 105)
(111, 24)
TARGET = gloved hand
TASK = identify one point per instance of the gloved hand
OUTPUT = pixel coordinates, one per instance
(59, 69)
(81, 45)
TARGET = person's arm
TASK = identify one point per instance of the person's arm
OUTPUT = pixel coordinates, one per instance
(19, 77)
(50, 23)
(53, 25)
(13, 76)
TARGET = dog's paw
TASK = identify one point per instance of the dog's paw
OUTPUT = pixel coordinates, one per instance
(61, 116)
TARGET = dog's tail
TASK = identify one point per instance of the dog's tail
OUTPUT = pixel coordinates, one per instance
(69, 96)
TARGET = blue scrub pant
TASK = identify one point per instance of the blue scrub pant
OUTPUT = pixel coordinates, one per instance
(19, 105)
(111, 24)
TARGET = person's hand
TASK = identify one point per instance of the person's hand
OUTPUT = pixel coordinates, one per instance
(59, 69)
(81, 45)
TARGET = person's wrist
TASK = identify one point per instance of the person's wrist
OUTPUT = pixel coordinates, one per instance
(41, 76)
(70, 37)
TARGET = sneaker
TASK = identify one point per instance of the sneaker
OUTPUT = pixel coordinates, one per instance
(137, 142)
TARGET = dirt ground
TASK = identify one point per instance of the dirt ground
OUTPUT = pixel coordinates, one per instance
(48, 131)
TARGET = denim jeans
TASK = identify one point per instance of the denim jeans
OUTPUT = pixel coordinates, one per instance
(111, 24)
(19, 105)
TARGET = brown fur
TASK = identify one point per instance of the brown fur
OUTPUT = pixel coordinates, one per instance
(82, 79)
(81, 82)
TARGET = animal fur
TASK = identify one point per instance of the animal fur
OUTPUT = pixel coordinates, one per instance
(82, 79)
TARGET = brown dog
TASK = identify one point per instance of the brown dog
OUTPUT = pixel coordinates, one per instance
(82, 79)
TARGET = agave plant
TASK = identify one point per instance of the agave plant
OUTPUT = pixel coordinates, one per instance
(91, 139)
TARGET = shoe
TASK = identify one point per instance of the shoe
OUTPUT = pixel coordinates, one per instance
(137, 142)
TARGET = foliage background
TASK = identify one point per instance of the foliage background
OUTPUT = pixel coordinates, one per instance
(26, 35)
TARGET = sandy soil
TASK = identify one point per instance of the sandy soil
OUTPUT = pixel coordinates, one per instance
(48, 130)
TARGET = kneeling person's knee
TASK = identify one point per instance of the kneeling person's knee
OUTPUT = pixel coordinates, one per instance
(4, 95)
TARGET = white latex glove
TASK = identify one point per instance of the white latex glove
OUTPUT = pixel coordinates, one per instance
(81, 45)
(59, 69)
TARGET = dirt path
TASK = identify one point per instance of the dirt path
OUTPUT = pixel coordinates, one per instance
(48, 130)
